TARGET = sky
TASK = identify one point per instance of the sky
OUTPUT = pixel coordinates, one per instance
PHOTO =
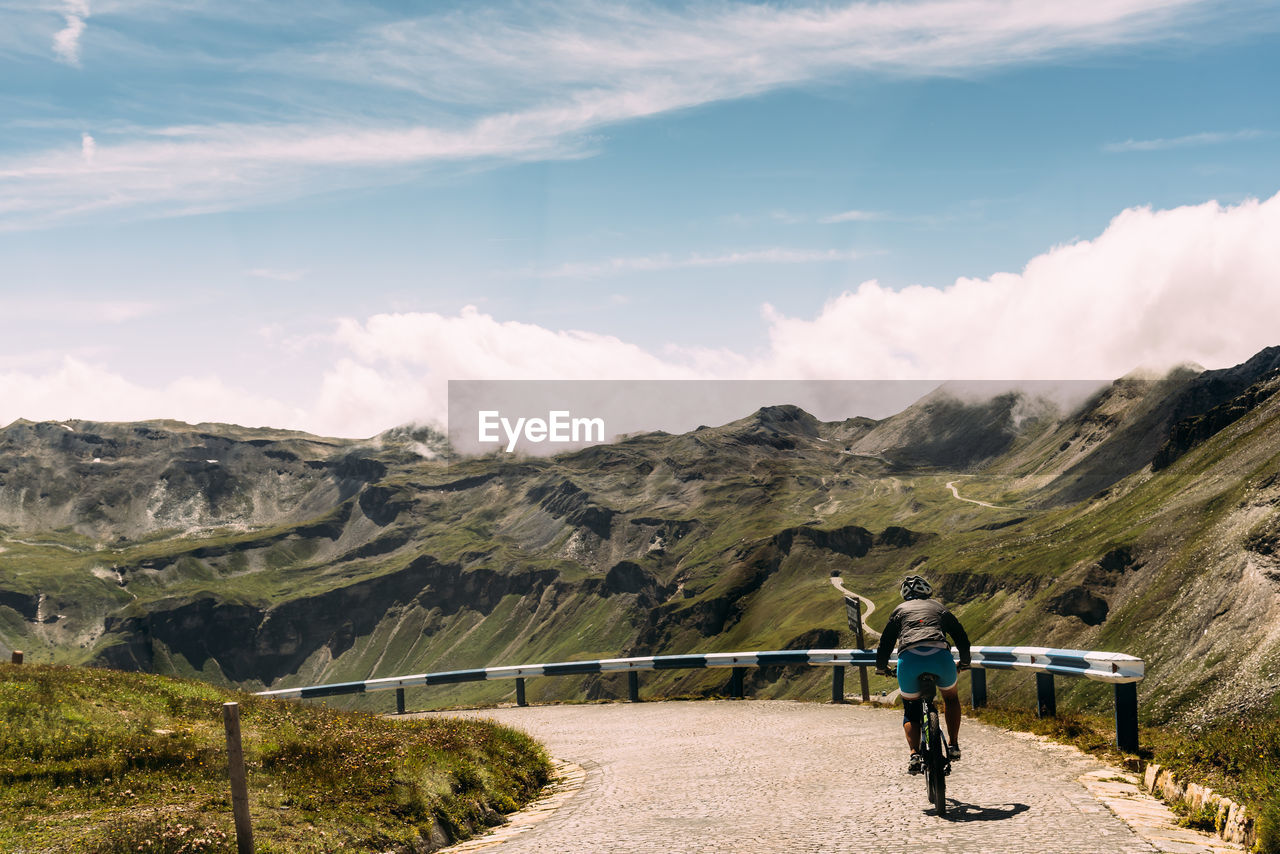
(314, 215)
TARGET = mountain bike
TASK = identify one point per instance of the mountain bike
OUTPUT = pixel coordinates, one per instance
(933, 743)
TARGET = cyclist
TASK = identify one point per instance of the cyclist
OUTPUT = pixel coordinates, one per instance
(920, 627)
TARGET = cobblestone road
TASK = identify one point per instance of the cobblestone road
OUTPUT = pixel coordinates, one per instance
(765, 776)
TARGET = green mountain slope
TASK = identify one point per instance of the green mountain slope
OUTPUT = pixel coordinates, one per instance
(294, 560)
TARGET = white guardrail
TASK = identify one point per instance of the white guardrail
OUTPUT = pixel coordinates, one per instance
(1099, 666)
(1123, 671)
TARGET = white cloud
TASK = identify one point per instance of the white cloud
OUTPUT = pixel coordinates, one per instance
(66, 42)
(398, 366)
(1156, 288)
(87, 148)
(1188, 141)
(533, 82)
(76, 389)
(652, 263)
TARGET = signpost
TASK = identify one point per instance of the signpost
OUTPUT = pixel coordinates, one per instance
(853, 608)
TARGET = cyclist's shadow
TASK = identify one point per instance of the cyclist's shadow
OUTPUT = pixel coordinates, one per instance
(959, 811)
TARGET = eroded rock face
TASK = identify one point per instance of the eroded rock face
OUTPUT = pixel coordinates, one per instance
(1081, 603)
(252, 643)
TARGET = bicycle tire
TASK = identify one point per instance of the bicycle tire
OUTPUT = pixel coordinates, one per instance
(936, 764)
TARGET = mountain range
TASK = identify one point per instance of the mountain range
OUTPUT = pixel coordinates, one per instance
(1145, 519)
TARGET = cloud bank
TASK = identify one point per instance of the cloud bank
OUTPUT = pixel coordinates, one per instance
(1157, 288)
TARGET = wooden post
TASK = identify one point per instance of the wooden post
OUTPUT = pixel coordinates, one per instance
(735, 683)
(1127, 716)
(16, 658)
(837, 684)
(399, 701)
(239, 785)
(978, 685)
(633, 686)
(520, 700)
(1046, 699)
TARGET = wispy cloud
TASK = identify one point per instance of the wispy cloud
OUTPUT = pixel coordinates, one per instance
(854, 216)
(277, 275)
(1188, 141)
(890, 216)
(530, 81)
(664, 261)
(66, 41)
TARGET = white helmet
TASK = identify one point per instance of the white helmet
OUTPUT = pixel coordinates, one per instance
(915, 587)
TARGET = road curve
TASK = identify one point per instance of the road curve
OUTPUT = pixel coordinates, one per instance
(868, 607)
(779, 776)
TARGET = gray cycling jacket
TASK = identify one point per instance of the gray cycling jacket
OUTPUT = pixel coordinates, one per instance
(921, 621)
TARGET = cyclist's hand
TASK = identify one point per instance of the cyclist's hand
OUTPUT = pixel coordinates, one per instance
(962, 666)
(885, 671)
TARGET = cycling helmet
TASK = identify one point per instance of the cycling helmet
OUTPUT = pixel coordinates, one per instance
(915, 587)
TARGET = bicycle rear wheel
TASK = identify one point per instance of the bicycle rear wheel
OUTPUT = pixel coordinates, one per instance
(935, 763)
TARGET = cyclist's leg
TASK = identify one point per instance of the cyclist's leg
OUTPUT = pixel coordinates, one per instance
(952, 713)
(912, 712)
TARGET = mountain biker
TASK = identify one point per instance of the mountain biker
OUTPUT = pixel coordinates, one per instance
(920, 626)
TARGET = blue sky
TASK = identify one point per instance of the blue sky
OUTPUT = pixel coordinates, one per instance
(314, 215)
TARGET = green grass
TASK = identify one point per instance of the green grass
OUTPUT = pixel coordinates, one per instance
(104, 761)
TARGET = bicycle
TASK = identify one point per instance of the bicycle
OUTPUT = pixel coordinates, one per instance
(933, 743)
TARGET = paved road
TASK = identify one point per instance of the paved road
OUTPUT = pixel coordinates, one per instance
(774, 776)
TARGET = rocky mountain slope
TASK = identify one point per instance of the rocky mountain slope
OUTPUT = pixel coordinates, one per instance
(1145, 520)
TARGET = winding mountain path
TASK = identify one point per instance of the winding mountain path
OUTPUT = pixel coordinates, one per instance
(780, 776)
(951, 485)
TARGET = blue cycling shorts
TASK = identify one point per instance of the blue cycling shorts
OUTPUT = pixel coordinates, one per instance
(913, 662)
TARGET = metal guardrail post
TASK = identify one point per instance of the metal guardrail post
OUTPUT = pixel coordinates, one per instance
(1046, 698)
(1127, 716)
(399, 701)
(978, 687)
(837, 684)
(633, 686)
(520, 700)
(735, 682)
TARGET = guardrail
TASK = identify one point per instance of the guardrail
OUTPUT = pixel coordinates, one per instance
(1123, 671)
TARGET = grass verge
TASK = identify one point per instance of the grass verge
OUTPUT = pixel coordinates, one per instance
(104, 761)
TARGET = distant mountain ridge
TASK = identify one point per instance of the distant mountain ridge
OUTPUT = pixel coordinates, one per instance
(1143, 520)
